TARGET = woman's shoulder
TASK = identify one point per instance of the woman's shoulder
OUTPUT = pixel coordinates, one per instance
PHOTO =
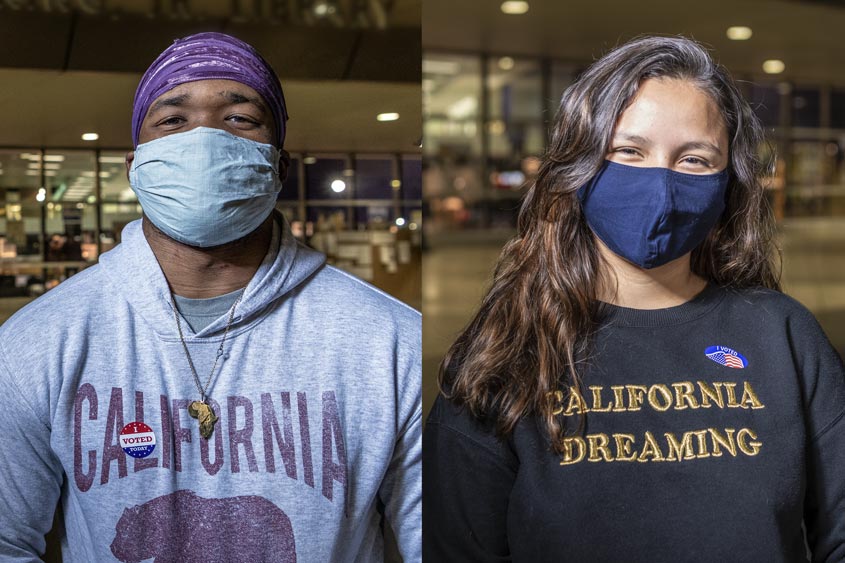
(761, 301)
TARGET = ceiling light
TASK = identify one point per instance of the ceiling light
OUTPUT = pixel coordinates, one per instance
(432, 66)
(506, 63)
(514, 7)
(390, 116)
(54, 158)
(90, 136)
(52, 166)
(739, 33)
(773, 66)
(400, 221)
(113, 159)
(338, 186)
(40, 196)
(396, 184)
(309, 160)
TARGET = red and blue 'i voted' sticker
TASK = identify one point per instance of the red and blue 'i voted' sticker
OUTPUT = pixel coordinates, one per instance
(137, 439)
(726, 356)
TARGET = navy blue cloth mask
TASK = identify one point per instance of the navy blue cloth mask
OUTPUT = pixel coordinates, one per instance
(651, 216)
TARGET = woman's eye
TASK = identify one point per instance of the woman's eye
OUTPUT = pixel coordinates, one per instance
(695, 161)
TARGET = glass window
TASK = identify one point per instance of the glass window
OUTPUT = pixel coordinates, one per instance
(326, 179)
(411, 178)
(119, 203)
(451, 106)
(23, 198)
(563, 75)
(805, 107)
(765, 100)
(71, 211)
(515, 124)
(114, 185)
(373, 177)
(837, 109)
(290, 187)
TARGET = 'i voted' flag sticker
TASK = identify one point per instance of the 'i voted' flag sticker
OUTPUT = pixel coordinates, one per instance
(137, 439)
(726, 356)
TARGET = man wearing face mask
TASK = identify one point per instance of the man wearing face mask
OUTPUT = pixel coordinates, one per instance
(202, 393)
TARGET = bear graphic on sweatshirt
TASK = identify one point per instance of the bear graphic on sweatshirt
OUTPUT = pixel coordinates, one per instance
(184, 527)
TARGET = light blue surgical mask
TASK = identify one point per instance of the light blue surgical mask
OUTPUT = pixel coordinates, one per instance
(206, 187)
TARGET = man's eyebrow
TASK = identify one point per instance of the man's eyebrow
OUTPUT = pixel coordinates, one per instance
(237, 98)
(170, 101)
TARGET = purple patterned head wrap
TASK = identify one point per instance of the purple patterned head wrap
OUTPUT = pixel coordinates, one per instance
(209, 56)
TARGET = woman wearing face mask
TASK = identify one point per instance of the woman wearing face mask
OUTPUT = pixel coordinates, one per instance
(634, 386)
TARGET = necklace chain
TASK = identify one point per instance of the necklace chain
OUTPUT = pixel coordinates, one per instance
(203, 388)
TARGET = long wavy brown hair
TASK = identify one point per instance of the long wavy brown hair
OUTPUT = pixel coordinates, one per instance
(536, 323)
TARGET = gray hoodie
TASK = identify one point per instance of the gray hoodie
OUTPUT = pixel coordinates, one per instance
(318, 398)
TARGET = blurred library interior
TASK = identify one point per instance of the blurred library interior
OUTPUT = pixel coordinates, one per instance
(493, 74)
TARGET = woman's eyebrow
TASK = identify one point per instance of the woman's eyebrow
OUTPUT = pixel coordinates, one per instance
(701, 145)
(623, 136)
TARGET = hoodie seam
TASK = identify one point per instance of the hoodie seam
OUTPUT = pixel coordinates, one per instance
(374, 289)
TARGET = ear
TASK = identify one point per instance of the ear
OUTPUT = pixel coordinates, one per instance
(284, 164)
(130, 156)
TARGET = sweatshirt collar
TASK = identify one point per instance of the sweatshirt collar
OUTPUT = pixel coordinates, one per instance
(698, 306)
(134, 272)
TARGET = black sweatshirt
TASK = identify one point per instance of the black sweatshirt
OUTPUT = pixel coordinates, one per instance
(713, 431)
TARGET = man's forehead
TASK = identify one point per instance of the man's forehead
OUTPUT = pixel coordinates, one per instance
(201, 92)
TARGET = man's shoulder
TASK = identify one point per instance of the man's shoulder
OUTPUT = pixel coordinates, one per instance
(60, 306)
(340, 289)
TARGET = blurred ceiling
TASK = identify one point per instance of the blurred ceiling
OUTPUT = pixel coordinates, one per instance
(805, 34)
(64, 72)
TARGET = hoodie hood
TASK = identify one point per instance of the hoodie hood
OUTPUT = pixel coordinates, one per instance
(133, 270)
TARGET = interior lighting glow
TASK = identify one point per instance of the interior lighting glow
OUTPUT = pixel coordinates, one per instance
(112, 159)
(395, 184)
(309, 160)
(338, 186)
(773, 66)
(739, 33)
(400, 221)
(514, 7)
(40, 196)
(389, 116)
(435, 66)
(56, 158)
(90, 136)
(506, 63)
